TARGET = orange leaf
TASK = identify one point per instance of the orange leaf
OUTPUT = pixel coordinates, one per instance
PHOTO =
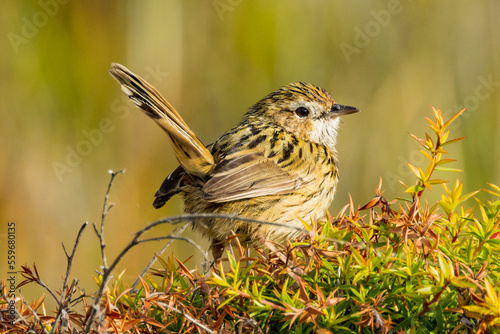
(145, 286)
(130, 324)
(453, 118)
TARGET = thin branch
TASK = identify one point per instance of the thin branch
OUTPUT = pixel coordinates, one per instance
(154, 258)
(39, 281)
(72, 256)
(170, 237)
(198, 216)
(65, 297)
(105, 210)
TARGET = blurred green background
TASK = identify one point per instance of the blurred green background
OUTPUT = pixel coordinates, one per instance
(64, 121)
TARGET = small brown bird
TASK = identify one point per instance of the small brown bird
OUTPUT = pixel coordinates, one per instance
(278, 164)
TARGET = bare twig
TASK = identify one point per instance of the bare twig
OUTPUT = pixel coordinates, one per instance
(105, 209)
(171, 237)
(66, 295)
(71, 257)
(64, 300)
(199, 216)
(154, 258)
(35, 277)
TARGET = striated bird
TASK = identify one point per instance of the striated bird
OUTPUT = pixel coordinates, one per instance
(279, 164)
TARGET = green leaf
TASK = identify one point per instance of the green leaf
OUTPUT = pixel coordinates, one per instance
(429, 290)
(446, 266)
(445, 161)
(219, 280)
(415, 188)
(357, 256)
(437, 181)
(445, 169)
(469, 195)
(360, 275)
(491, 294)
(478, 309)
(231, 259)
(462, 283)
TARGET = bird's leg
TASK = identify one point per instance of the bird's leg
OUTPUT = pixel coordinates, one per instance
(217, 250)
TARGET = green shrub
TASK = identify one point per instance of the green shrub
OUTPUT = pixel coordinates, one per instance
(403, 265)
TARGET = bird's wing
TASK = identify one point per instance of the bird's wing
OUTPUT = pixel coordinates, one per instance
(250, 175)
(169, 187)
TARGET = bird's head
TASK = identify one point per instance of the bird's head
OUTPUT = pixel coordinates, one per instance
(307, 111)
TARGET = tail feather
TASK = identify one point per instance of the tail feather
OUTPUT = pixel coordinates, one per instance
(193, 156)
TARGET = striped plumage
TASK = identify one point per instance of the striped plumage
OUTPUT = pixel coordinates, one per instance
(278, 165)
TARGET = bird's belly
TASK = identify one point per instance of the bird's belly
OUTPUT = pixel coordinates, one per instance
(296, 208)
(286, 210)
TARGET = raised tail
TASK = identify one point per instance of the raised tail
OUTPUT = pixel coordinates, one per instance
(193, 156)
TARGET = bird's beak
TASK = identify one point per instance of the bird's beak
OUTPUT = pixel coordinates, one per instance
(340, 109)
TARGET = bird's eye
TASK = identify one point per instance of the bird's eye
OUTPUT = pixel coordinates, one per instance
(302, 111)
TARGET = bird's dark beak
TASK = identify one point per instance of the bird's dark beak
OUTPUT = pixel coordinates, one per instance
(340, 109)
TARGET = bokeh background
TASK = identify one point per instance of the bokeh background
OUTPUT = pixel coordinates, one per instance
(64, 121)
